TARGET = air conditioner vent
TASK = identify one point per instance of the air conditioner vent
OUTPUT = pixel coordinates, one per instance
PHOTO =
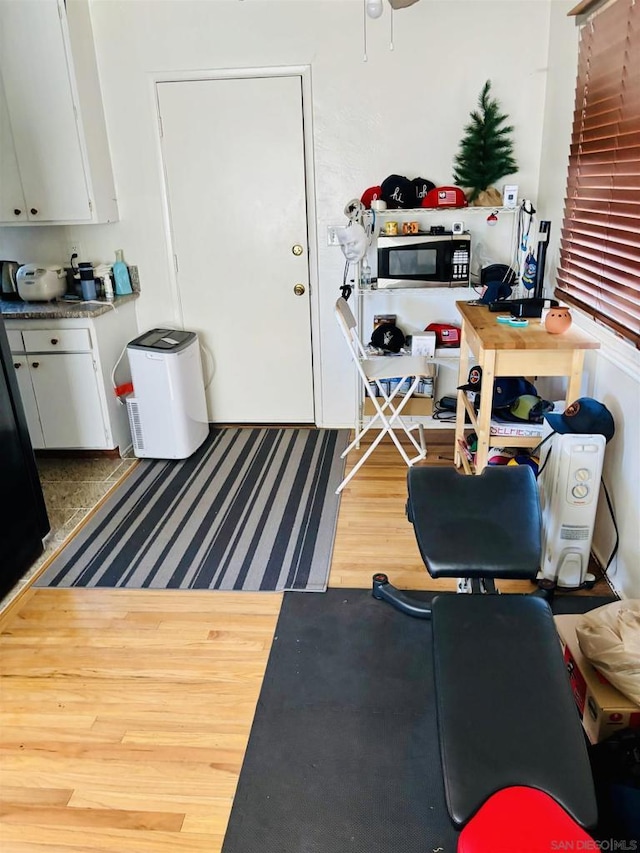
(135, 423)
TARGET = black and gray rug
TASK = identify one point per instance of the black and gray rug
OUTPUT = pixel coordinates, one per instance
(252, 509)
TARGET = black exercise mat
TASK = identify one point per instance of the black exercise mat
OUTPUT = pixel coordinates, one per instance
(344, 755)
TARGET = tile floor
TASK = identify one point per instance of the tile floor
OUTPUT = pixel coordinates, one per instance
(71, 487)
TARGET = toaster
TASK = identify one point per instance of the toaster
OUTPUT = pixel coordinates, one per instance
(41, 283)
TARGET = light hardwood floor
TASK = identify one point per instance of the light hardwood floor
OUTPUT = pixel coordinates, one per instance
(124, 715)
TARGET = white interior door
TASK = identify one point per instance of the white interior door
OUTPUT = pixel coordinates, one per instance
(233, 153)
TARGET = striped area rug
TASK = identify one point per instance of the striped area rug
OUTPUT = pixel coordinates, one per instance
(252, 509)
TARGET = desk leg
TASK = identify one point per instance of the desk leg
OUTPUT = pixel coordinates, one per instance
(487, 362)
(575, 377)
(463, 372)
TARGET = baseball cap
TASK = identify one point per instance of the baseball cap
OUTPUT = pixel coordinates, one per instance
(506, 389)
(528, 408)
(586, 417)
(420, 188)
(397, 192)
(445, 197)
(387, 337)
(474, 380)
(370, 195)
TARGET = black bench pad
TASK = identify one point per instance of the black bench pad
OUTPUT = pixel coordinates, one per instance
(483, 526)
(506, 715)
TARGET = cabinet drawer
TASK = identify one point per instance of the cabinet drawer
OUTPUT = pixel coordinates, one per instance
(15, 340)
(57, 340)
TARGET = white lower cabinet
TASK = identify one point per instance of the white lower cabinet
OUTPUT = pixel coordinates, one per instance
(67, 392)
(21, 365)
(64, 375)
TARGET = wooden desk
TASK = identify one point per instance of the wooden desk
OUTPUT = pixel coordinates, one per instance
(503, 350)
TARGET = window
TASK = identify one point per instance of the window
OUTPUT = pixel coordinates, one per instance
(599, 268)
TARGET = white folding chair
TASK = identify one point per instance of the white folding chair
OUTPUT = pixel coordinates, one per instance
(408, 370)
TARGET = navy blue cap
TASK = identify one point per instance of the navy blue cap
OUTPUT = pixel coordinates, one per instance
(585, 417)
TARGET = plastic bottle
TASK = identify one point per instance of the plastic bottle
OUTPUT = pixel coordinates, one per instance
(121, 275)
(108, 287)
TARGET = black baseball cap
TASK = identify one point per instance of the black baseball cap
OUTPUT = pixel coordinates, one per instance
(586, 417)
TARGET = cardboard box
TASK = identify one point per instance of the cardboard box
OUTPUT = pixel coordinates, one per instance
(423, 343)
(603, 709)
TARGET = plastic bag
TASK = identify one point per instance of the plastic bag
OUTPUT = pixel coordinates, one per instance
(609, 638)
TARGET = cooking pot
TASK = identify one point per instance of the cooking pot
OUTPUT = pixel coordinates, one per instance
(9, 287)
(41, 283)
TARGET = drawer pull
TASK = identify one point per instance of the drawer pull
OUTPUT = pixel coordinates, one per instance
(35, 364)
(54, 341)
(17, 365)
(17, 211)
(33, 211)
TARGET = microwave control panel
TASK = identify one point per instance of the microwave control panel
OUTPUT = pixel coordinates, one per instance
(460, 261)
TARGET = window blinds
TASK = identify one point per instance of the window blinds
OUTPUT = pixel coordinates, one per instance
(599, 268)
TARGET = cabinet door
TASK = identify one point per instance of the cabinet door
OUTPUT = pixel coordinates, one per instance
(68, 397)
(38, 72)
(12, 205)
(28, 400)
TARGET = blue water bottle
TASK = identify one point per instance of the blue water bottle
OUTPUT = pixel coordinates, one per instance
(121, 275)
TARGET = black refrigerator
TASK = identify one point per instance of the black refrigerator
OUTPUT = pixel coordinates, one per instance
(23, 515)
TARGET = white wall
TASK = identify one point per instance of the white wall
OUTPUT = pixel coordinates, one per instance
(612, 373)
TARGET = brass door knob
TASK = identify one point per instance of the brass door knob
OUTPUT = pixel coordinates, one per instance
(297, 249)
(298, 289)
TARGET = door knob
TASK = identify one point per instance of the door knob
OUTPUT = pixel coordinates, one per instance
(297, 249)
(298, 289)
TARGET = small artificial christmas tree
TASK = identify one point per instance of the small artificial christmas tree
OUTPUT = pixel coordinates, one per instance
(486, 151)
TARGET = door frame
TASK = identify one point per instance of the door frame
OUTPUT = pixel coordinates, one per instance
(304, 73)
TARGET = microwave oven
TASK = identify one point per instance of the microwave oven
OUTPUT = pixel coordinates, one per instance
(422, 260)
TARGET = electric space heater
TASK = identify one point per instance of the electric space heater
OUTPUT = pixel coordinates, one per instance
(569, 484)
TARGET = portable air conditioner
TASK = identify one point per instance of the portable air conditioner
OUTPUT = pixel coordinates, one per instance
(168, 409)
(569, 484)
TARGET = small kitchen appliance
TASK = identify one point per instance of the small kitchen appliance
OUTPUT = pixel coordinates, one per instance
(9, 286)
(425, 260)
(41, 283)
(168, 409)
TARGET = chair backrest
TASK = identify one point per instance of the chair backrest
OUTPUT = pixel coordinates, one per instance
(349, 326)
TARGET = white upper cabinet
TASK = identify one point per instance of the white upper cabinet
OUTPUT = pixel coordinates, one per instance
(12, 204)
(54, 116)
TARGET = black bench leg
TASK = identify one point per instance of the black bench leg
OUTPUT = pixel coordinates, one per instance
(384, 591)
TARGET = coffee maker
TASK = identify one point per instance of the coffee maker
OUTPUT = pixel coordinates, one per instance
(8, 285)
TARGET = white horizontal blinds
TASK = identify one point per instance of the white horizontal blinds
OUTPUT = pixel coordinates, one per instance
(600, 241)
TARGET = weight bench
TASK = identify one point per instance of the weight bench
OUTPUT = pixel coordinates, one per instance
(506, 714)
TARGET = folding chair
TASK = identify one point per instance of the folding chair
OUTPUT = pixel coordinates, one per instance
(388, 404)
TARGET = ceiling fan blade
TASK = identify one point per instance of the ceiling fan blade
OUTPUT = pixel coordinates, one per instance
(401, 4)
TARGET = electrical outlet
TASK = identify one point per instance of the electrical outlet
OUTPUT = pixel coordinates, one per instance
(332, 234)
(74, 248)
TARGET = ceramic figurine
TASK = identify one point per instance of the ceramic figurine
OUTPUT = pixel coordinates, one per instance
(557, 320)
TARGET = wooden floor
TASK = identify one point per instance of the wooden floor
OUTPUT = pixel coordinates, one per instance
(124, 715)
